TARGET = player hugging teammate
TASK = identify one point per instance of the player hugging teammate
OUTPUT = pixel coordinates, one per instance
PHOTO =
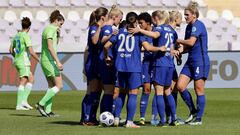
(156, 36)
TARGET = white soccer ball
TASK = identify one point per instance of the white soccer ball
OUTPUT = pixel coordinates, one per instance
(106, 119)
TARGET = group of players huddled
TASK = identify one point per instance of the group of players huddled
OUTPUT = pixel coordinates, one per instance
(113, 65)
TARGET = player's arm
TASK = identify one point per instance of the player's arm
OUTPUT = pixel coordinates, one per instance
(11, 51)
(33, 54)
(188, 42)
(96, 35)
(152, 48)
(106, 48)
(105, 39)
(51, 50)
(153, 34)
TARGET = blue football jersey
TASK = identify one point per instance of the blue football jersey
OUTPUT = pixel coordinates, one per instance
(168, 37)
(198, 53)
(128, 51)
(93, 52)
(147, 55)
(105, 31)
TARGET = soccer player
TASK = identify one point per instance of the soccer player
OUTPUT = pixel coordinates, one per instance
(89, 103)
(197, 65)
(20, 48)
(163, 65)
(50, 63)
(108, 72)
(145, 22)
(128, 63)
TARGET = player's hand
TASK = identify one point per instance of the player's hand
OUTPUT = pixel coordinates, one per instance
(115, 32)
(60, 66)
(108, 61)
(134, 30)
(163, 49)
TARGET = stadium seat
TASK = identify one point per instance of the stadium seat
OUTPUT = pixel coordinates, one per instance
(86, 14)
(227, 15)
(5, 43)
(36, 40)
(36, 26)
(3, 26)
(67, 26)
(236, 22)
(78, 3)
(108, 3)
(212, 15)
(93, 3)
(10, 16)
(42, 16)
(26, 13)
(232, 31)
(139, 3)
(201, 3)
(124, 3)
(47, 3)
(16, 3)
(73, 16)
(63, 3)
(76, 33)
(4, 3)
(183, 3)
(17, 25)
(208, 23)
(82, 24)
(222, 23)
(155, 3)
(32, 3)
(11, 31)
(170, 3)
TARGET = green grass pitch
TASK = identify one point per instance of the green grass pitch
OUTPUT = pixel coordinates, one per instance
(222, 117)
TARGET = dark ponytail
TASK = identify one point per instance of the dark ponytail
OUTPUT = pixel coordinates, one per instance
(96, 15)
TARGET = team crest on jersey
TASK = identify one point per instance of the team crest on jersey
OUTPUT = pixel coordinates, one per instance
(107, 31)
(194, 29)
(93, 32)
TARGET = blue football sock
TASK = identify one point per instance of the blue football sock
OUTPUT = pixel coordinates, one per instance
(201, 102)
(131, 106)
(119, 104)
(161, 108)
(175, 95)
(106, 103)
(187, 98)
(171, 104)
(167, 107)
(154, 107)
(84, 104)
(89, 105)
(93, 113)
(143, 104)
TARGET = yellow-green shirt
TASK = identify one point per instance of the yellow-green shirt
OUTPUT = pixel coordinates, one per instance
(20, 44)
(50, 32)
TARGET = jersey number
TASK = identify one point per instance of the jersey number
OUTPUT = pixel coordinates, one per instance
(169, 37)
(18, 45)
(126, 40)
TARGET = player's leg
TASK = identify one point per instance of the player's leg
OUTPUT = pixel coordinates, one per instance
(27, 90)
(144, 102)
(201, 101)
(24, 73)
(48, 105)
(92, 103)
(84, 104)
(201, 74)
(159, 78)
(134, 81)
(182, 83)
(52, 73)
(107, 99)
